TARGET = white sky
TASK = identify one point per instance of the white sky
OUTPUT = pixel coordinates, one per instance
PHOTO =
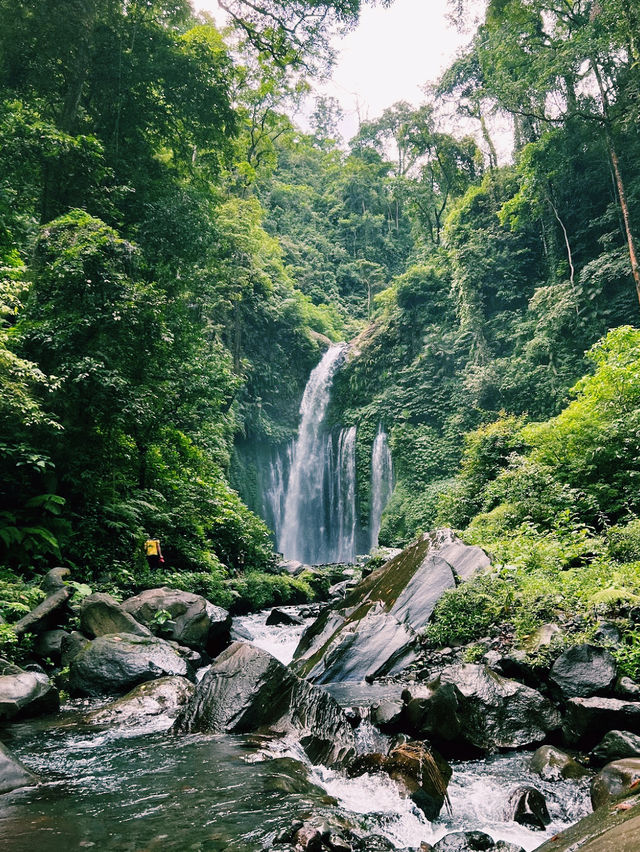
(388, 57)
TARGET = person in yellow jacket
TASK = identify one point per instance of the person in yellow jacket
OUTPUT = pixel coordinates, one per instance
(153, 553)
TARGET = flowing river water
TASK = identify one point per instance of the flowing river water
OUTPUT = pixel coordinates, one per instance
(126, 790)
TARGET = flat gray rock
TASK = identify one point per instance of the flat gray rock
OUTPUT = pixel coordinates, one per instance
(113, 664)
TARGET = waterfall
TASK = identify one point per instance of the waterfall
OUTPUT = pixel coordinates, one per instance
(275, 493)
(319, 519)
(381, 482)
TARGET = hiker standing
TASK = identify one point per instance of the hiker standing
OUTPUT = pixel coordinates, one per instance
(153, 553)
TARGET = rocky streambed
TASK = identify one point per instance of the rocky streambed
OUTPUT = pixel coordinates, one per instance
(214, 743)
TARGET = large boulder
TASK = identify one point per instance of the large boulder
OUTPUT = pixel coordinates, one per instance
(247, 690)
(373, 630)
(587, 720)
(193, 621)
(471, 704)
(620, 777)
(26, 694)
(551, 764)
(163, 697)
(609, 829)
(583, 671)
(101, 614)
(115, 663)
(12, 773)
(616, 745)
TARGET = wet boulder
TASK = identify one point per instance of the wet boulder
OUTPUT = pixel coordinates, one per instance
(473, 705)
(113, 664)
(387, 715)
(587, 720)
(618, 778)
(191, 621)
(627, 688)
(279, 616)
(616, 745)
(527, 806)
(609, 829)
(247, 690)
(551, 764)
(13, 774)
(26, 694)
(583, 671)
(473, 841)
(101, 614)
(163, 697)
(421, 773)
(373, 630)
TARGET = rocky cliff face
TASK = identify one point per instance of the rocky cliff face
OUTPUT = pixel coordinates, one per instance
(373, 631)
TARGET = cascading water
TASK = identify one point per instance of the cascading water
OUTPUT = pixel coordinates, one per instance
(319, 520)
(381, 482)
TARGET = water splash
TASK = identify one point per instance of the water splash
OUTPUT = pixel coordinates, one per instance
(381, 482)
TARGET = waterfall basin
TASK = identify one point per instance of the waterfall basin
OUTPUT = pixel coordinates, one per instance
(124, 790)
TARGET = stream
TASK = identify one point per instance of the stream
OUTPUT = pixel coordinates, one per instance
(126, 790)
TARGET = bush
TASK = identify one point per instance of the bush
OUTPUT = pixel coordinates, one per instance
(467, 613)
(258, 591)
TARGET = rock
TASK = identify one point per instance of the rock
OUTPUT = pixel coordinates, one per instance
(27, 694)
(609, 829)
(45, 615)
(621, 777)
(194, 621)
(542, 637)
(616, 745)
(70, 646)
(627, 688)
(527, 806)
(239, 633)
(473, 841)
(587, 720)
(246, 689)
(54, 580)
(117, 662)
(551, 764)
(308, 838)
(386, 715)
(423, 775)
(13, 774)
(278, 616)
(101, 614)
(373, 631)
(48, 645)
(292, 567)
(471, 704)
(7, 668)
(163, 697)
(607, 633)
(583, 671)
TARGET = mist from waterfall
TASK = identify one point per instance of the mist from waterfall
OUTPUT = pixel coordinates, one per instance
(381, 482)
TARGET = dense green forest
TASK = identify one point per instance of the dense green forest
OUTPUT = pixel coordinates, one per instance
(176, 254)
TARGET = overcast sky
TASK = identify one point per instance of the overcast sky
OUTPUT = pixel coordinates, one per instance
(388, 57)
